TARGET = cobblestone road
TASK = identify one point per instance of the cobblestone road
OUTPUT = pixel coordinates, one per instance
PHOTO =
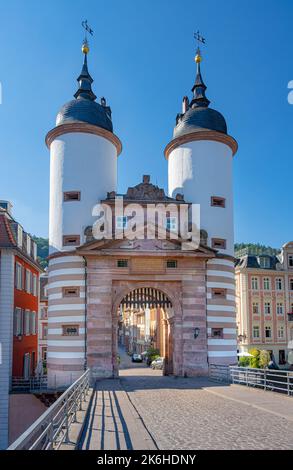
(180, 414)
(143, 410)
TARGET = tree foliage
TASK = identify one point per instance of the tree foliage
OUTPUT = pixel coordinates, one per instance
(254, 360)
(42, 250)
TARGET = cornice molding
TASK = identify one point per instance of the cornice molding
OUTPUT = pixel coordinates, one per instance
(86, 129)
(201, 135)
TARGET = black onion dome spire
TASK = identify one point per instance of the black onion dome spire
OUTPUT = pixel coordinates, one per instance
(85, 83)
(84, 108)
(199, 88)
(196, 114)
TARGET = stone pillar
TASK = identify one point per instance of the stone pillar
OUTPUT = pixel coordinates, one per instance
(194, 350)
(100, 337)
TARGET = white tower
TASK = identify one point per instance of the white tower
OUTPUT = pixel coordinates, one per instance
(200, 167)
(83, 168)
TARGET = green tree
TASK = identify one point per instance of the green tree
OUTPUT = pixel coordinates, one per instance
(264, 358)
(42, 250)
(254, 360)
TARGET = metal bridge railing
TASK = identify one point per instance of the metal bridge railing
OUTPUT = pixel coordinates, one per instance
(52, 428)
(274, 380)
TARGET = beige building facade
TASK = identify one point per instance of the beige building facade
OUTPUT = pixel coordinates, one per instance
(264, 302)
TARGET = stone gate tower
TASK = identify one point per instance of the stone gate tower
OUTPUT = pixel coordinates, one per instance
(83, 168)
(200, 159)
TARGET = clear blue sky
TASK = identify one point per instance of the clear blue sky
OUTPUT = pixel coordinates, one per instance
(142, 61)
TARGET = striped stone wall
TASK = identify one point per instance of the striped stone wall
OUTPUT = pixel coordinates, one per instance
(66, 354)
(221, 313)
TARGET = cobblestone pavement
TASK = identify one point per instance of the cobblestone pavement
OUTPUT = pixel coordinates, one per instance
(189, 413)
(144, 410)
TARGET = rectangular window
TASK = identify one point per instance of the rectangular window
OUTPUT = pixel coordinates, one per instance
(45, 332)
(28, 244)
(291, 284)
(255, 308)
(19, 236)
(35, 285)
(266, 283)
(218, 201)
(268, 332)
(71, 240)
(121, 222)
(171, 263)
(281, 332)
(28, 281)
(122, 263)
(267, 308)
(18, 322)
(217, 333)
(171, 223)
(44, 313)
(219, 243)
(218, 293)
(71, 196)
(254, 283)
(280, 308)
(18, 276)
(70, 330)
(290, 261)
(279, 284)
(71, 291)
(33, 323)
(27, 322)
(264, 262)
(255, 332)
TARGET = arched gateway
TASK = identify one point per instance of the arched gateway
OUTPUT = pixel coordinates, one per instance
(146, 320)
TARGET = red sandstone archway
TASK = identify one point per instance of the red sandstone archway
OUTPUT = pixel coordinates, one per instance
(134, 303)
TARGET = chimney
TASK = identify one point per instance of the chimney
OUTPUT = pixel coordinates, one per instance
(6, 206)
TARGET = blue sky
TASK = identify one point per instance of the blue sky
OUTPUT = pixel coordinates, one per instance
(142, 61)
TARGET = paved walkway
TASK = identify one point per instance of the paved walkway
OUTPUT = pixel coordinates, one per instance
(144, 410)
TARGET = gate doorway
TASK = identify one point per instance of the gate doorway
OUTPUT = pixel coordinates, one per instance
(145, 325)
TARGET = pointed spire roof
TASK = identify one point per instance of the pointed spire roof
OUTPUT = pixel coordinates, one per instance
(197, 115)
(199, 88)
(85, 80)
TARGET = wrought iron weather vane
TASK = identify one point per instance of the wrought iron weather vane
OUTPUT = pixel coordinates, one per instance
(200, 40)
(87, 29)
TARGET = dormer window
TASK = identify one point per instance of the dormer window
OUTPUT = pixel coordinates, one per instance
(290, 261)
(28, 244)
(121, 222)
(264, 262)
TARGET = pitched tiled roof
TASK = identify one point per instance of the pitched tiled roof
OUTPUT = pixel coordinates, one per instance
(6, 234)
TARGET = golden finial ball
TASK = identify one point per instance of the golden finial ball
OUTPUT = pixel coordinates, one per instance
(197, 58)
(85, 48)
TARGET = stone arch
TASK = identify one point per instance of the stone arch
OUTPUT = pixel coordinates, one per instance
(172, 320)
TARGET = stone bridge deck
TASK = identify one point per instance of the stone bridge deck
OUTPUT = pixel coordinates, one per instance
(143, 410)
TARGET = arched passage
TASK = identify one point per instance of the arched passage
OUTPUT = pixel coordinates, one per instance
(145, 321)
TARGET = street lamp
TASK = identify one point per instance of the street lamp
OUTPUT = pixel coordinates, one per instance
(196, 332)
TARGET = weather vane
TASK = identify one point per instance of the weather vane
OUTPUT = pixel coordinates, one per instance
(199, 38)
(85, 25)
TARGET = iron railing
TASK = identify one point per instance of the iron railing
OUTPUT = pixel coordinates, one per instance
(29, 385)
(219, 373)
(52, 428)
(274, 380)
